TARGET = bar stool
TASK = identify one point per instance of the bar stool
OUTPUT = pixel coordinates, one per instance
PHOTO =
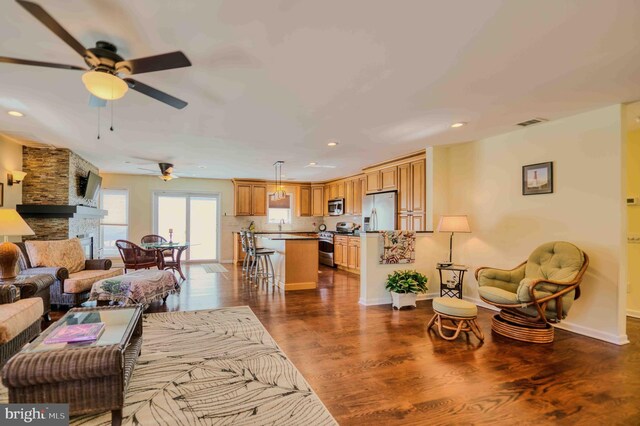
(245, 250)
(260, 260)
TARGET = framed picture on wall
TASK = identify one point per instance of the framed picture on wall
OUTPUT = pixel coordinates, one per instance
(1, 194)
(537, 179)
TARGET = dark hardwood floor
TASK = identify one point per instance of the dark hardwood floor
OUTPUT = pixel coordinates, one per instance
(375, 365)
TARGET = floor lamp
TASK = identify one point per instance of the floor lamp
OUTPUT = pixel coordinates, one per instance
(453, 224)
(11, 224)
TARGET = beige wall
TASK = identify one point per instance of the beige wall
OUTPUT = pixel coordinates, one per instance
(586, 208)
(633, 220)
(10, 159)
(141, 189)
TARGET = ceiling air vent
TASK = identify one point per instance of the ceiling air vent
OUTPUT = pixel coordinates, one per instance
(532, 121)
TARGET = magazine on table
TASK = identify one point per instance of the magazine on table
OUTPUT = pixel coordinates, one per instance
(76, 333)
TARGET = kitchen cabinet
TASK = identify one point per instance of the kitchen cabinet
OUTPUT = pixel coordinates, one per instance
(382, 180)
(251, 199)
(358, 192)
(346, 252)
(348, 196)
(304, 201)
(411, 195)
(318, 205)
(340, 190)
(238, 254)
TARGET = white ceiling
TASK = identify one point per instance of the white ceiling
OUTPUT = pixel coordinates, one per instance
(275, 80)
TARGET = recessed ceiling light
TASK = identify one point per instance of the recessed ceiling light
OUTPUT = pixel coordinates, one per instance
(332, 143)
(313, 163)
(456, 125)
(15, 114)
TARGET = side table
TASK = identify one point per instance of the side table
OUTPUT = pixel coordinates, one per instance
(34, 286)
(452, 287)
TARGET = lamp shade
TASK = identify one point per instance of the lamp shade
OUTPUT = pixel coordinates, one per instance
(104, 85)
(11, 224)
(18, 176)
(454, 223)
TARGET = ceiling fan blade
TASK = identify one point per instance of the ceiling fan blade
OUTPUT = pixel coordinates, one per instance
(47, 20)
(155, 94)
(165, 61)
(39, 63)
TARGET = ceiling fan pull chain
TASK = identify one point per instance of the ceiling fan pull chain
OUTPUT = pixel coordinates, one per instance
(111, 128)
(98, 122)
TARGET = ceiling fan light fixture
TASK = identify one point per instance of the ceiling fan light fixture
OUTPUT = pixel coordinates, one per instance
(166, 178)
(104, 85)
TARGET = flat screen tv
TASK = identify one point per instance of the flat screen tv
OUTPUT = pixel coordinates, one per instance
(92, 186)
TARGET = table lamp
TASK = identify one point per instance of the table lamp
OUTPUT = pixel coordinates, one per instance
(11, 224)
(452, 223)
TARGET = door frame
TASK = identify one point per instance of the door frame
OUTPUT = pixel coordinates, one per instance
(189, 194)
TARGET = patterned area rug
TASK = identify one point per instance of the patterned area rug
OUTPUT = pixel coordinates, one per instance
(214, 267)
(213, 367)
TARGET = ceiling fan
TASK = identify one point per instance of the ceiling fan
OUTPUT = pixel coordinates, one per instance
(105, 77)
(166, 171)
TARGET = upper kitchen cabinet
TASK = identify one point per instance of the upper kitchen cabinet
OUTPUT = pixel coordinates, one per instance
(250, 198)
(385, 179)
(358, 193)
(317, 201)
(411, 187)
(348, 196)
(304, 201)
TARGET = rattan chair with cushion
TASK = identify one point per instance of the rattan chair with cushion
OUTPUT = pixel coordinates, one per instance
(135, 257)
(537, 292)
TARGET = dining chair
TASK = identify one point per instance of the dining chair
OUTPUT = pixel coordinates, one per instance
(168, 255)
(135, 257)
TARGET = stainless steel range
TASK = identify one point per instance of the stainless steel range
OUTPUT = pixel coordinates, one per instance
(325, 244)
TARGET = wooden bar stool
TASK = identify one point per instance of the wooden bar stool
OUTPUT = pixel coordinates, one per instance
(460, 313)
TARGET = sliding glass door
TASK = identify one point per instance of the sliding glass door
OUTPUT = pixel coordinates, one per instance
(192, 218)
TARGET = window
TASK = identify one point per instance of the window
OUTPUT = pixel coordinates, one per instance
(115, 225)
(279, 209)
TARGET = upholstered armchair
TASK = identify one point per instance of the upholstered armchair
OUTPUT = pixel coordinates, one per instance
(72, 282)
(19, 320)
(535, 293)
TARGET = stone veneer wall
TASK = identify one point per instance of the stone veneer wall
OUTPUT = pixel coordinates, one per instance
(53, 177)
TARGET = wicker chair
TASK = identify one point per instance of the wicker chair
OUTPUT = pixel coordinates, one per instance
(27, 311)
(535, 293)
(135, 257)
(168, 255)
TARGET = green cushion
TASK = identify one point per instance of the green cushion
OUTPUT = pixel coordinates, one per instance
(506, 280)
(455, 307)
(498, 295)
(557, 261)
(523, 294)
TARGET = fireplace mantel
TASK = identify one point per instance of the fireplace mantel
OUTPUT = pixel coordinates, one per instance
(60, 211)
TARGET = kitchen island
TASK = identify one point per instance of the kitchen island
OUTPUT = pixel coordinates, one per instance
(295, 260)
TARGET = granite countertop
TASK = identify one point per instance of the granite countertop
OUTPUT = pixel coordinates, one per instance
(285, 232)
(284, 236)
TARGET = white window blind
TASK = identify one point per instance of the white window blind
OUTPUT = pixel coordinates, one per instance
(279, 210)
(115, 225)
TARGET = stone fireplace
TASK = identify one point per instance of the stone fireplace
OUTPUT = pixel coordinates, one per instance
(52, 201)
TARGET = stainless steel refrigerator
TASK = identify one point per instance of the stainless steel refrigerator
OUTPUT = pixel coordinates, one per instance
(379, 211)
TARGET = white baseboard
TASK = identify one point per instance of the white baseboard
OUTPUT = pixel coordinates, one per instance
(622, 339)
(480, 303)
(633, 313)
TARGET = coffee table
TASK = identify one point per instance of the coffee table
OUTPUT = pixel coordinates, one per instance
(91, 377)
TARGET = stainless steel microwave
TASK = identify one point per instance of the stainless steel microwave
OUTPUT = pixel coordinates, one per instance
(336, 207)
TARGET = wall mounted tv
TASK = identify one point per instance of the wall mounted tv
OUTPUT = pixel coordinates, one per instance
(92, 186)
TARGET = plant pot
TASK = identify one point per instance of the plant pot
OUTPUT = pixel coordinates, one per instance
(399, 300)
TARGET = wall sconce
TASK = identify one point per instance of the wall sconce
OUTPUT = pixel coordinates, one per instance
(15, 177)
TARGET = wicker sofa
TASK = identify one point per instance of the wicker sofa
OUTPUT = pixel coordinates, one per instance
(19, 321)
(73, 282)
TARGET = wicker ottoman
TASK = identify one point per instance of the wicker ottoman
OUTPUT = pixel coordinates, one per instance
(460, 313)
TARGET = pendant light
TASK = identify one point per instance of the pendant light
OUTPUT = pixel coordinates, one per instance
(279, 192)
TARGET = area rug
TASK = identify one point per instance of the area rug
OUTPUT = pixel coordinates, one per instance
(214, 267)
(214, 367)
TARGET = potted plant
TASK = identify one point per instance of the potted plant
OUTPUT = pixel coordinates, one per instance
(404, 286)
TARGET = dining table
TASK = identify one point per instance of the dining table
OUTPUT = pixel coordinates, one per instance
(175, 262)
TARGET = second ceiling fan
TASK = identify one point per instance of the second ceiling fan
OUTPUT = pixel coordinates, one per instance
(107, 76)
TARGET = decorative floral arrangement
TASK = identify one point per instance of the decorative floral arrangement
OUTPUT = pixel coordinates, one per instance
(406, 282)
